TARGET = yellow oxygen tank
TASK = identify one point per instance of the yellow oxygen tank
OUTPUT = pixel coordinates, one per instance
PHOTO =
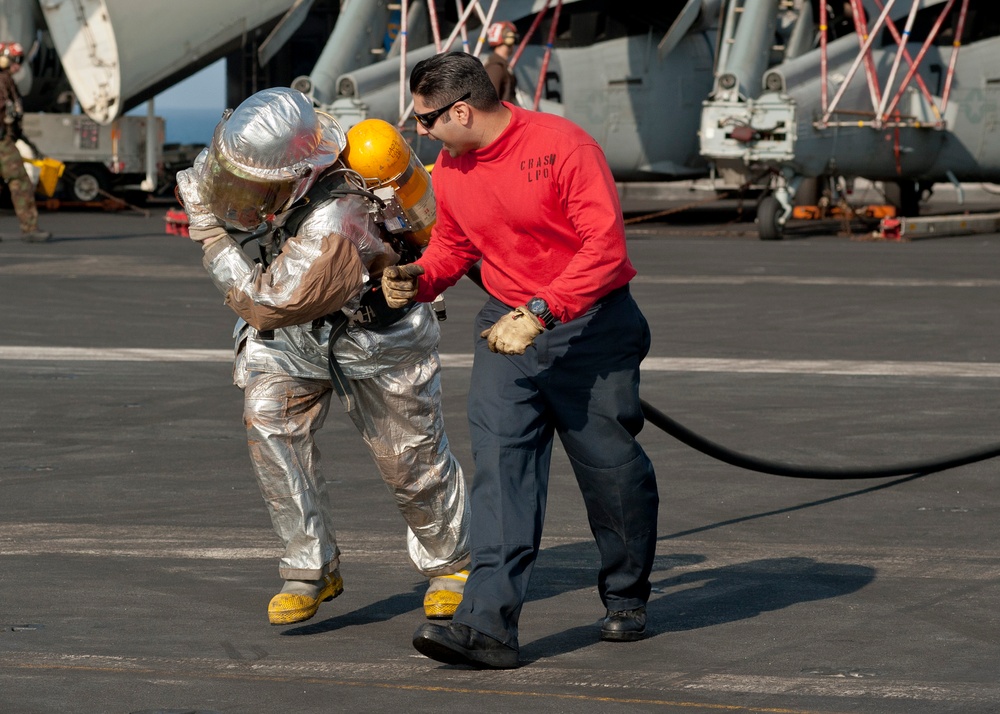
(379, 153)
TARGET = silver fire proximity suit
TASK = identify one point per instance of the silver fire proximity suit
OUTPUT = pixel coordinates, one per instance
(321, 262)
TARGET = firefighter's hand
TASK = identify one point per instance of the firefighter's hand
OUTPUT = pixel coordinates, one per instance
(382, 261)
(188, 195)
(513, 333)
(399, 284)
(206, 236)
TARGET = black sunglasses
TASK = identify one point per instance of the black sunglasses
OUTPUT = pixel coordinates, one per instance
(427, 119)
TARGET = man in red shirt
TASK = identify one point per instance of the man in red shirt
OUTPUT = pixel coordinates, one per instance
(561, 338)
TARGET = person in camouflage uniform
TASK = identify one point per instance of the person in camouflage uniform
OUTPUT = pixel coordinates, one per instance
(22, 192)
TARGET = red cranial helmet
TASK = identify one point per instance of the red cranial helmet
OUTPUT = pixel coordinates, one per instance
(501, 33)
(12, 50)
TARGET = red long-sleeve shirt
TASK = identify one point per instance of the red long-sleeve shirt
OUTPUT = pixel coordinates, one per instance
(540, 208)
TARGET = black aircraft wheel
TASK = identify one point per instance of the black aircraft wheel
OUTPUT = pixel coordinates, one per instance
(768, 211)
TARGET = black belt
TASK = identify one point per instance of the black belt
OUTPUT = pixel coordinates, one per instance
(617, 292)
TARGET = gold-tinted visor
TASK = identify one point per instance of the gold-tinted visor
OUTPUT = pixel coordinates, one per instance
(240, 201)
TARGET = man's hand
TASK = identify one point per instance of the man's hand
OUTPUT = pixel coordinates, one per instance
(399, 284)
(514, 332)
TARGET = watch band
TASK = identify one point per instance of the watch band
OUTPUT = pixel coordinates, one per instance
(540, 309)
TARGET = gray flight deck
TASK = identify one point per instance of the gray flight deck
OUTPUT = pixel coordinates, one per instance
(137, 560)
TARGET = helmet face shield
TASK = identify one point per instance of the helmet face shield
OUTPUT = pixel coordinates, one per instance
(239, 200)
(265, 155)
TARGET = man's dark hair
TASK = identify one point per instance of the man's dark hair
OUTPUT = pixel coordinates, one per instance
(445, 77)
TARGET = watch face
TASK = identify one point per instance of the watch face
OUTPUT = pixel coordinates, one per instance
(540, 309)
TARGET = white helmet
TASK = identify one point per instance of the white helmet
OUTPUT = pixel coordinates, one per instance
(265, 155)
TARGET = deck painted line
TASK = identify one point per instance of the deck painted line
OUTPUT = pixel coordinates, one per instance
(817, 280)
(904, 562)
(869, 368)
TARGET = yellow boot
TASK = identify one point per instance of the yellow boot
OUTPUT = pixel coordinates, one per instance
(299, 599)
(444, 595)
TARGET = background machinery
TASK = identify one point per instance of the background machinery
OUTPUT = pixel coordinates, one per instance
(794, 99)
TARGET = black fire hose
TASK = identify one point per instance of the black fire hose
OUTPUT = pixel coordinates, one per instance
(657, 418)
(680, 432)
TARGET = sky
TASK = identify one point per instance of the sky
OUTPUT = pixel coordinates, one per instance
(192, 108)
(206, 89)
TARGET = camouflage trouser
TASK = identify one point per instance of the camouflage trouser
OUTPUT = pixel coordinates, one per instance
(22, 193)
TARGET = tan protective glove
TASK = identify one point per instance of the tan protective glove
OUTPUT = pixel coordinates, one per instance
(399, 284)
(514, 332)
(203, 226)
(188, 194)
(206, 236)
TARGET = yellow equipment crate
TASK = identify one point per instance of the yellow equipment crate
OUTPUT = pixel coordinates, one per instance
(49, 171)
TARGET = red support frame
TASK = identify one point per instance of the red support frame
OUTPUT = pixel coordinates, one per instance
(909, 60)
(889, 117)
(823, 28)
(861, 30)
(548, 54)
(920, 56)
(959, 29)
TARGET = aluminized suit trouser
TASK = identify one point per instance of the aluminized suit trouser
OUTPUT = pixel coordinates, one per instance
(399, 416)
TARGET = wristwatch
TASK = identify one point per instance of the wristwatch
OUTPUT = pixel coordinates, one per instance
(540, 309)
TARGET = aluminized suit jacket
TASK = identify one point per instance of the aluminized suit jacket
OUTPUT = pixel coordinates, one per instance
(320, 270)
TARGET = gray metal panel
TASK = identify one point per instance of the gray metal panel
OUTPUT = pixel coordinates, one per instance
(349, 47)
(385, 74)
(19, 23)
(283, 31)
(112, 50)
(806, 67)
(749, 55)
(679, 29)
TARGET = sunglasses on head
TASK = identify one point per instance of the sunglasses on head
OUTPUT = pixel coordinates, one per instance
(427, 119)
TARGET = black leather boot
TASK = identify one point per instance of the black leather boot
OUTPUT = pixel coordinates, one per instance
(458, 644)
(624, 625)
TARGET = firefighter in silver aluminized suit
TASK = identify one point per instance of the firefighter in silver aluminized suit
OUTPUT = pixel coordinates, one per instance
(324, 252)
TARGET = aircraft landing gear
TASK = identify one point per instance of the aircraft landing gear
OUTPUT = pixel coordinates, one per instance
(768, 226)
(904, 196)
(773, 211)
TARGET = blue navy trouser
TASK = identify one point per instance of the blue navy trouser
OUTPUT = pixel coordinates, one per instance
(580, 380)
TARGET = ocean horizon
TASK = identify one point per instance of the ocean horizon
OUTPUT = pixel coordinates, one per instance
(189, 126)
